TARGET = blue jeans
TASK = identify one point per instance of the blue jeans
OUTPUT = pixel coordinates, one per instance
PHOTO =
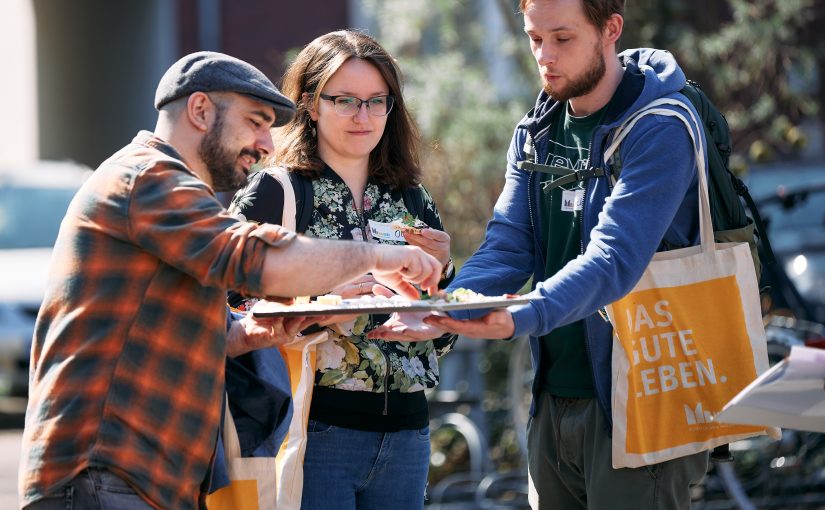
(346, 469)
(93, 489)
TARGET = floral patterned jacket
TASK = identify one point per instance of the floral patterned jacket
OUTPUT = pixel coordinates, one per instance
(352, 361)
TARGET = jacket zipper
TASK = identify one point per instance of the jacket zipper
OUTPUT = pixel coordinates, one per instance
(379, 344)
(362, 225)
(360, 215)
(386, 381)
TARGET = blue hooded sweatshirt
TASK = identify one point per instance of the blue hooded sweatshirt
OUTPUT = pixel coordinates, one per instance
(653, 204)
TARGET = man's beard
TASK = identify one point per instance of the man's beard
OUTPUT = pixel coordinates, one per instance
(585, 83)
(219, 160)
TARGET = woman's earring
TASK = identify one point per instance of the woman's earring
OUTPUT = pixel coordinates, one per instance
(312, 128)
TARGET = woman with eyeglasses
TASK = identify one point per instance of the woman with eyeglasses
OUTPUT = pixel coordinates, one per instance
(355, 143)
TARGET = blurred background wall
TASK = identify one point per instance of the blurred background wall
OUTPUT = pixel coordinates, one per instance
(79, 76)
(18, 87)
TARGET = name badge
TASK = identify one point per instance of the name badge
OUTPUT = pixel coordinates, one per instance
(385, 231)
(572, 200)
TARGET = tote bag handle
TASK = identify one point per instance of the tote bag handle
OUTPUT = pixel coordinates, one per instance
(655, 108)
(231, 443)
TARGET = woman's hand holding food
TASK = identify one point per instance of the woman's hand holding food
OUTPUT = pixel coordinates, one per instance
(435, 242)
(364, 285)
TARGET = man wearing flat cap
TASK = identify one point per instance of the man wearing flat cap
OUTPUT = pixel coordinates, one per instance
(127, 366)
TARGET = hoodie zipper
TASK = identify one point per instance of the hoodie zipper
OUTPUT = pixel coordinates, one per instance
(360, 215)
(530, 182)
(601, 311)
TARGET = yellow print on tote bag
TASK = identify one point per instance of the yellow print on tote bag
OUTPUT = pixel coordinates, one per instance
(252, 481)
(686, 339)
(684, 360)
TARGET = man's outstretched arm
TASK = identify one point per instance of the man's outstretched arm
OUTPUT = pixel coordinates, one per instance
(310, 266)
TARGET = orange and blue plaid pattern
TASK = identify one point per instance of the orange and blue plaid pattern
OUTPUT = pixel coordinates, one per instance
(128, 351)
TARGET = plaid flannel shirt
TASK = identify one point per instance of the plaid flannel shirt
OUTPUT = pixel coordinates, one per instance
(129, 346)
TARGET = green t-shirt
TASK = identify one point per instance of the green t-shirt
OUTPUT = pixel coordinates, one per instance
(568, 372)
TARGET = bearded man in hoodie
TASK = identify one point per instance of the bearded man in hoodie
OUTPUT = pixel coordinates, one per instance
(585, 244)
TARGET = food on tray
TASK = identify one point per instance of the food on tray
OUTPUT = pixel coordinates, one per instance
(443, 301)
(409, 223)
(301, 300)
(329, 299)
(462, 295)
(459, 295)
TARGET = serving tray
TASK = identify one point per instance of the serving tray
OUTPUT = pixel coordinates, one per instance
(359, 306)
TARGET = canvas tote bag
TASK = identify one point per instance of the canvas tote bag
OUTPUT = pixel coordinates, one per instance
(300, 358)
(252, 481)
(686, 339)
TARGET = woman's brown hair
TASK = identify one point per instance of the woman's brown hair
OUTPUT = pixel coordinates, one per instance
(394, 161)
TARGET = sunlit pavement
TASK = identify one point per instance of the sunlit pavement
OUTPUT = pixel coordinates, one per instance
(9, 455)
(11, 425)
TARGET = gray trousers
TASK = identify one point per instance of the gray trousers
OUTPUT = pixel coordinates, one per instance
(569, 463)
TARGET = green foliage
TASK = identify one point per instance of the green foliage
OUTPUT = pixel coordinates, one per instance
(465, 122)
(759, 61)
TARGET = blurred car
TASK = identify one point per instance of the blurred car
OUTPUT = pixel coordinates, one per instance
(791, 201)
(33, 201)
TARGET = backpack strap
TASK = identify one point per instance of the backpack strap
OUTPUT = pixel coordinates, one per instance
(565, 175)
(304, 201)
(764, 246)
(290, 185)
(413, 200)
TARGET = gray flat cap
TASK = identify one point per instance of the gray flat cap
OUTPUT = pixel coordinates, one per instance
(209, 71)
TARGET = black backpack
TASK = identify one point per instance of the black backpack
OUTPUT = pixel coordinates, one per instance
(726, 191)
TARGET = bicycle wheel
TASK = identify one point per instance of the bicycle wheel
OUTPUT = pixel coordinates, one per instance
(789, 473)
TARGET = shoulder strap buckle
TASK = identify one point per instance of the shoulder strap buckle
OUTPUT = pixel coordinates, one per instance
(575, 176)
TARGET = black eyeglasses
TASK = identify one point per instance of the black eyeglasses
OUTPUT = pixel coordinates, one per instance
(348, 106)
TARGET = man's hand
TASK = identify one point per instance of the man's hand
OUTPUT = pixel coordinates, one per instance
(401, 267)
(250, 333)
(495, 325)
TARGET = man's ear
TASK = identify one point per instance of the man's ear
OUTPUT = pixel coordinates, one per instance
(200, 110)
(613, 29)
(309, 101)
